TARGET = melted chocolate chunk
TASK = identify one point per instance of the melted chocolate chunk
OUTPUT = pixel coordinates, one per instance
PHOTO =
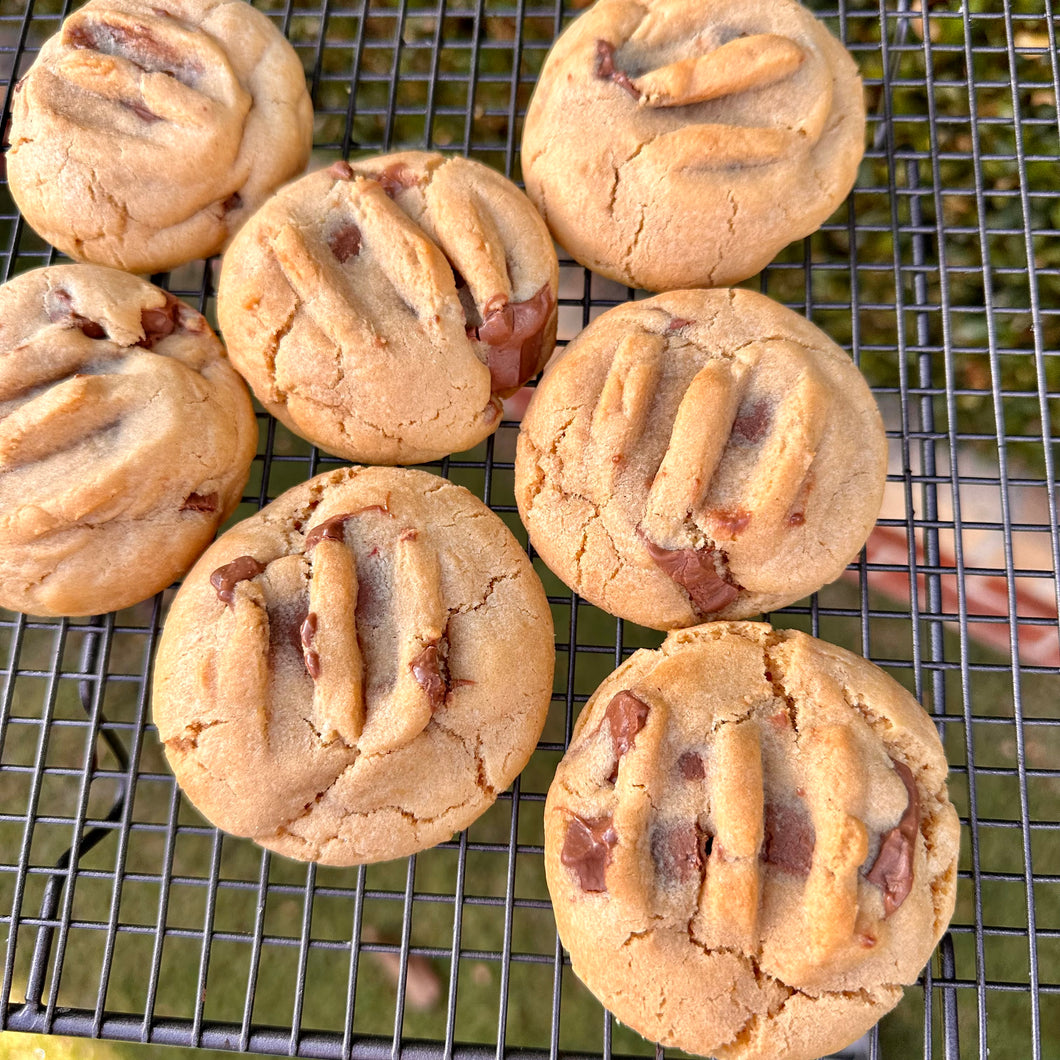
(753, 421)
(396, 178)
(200, 502)
(427, 669)
(587, 850)
(677, 323)
(892, 871)
(333, 529)
(678, 851)
(159, 322)
(59, 305)
(789, 839)
(329, 530)
(690, 766)
(226, 578)
(142, 112)
(514, 334)
(306, 632)
(341, 170)
(625, 717)
(693, 569)
(345, 242)
(606, 71)
(796, 519)
(136, 44)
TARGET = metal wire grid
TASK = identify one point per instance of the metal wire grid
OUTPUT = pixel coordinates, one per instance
(127, 917)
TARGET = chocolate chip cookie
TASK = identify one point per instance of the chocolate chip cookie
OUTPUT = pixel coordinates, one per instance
(383, 308)
(125, 439)
(147, 131)
(683, 143)
(700, 454)
(749, 844)
(377, 645)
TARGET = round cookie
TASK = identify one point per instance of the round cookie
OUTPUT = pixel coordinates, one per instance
(683, 143)
(147, 131)
(382, 308)
(749, 844)
(125, 439)
(355, 642)
(700, 454)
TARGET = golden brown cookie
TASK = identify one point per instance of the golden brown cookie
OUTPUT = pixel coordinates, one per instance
(383, 308)
(749, 844)
(125, 439)
(147, 131)
(700, 454)
(683, 143)
(374, 644)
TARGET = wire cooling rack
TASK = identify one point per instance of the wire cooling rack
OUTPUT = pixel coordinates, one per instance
(127, 917)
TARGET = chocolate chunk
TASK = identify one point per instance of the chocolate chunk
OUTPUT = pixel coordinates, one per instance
(345, 242)
(59, 305)
(796, 519)
(514, 333)
(427, 669)
(789, 839)
(341, 170)
(141, 112)
(625, 717)
(587, 850)
(200, 502)
(606, 71)
(333, 529)
(893, 868)
(678, 851)
(329, 530)
(690, 766)
(677, 323)
(159, 322)
(693, 569)
(753, 421)
(226, 578)
(134, 43)
(396, 178)
(306, 632)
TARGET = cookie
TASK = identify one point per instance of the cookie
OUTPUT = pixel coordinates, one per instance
(125, 439)
(147, 131)
(382, 308)
(376, 643)
(700, 454)
(683, 143)
(749, 843)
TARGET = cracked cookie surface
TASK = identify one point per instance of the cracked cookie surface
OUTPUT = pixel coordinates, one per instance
(699, 454)
(125, 439)
(383, 308)
(147, 131)
(376, 644)
(749, 843)
(683, 143)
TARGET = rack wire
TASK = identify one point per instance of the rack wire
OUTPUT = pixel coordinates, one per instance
(127, 917)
